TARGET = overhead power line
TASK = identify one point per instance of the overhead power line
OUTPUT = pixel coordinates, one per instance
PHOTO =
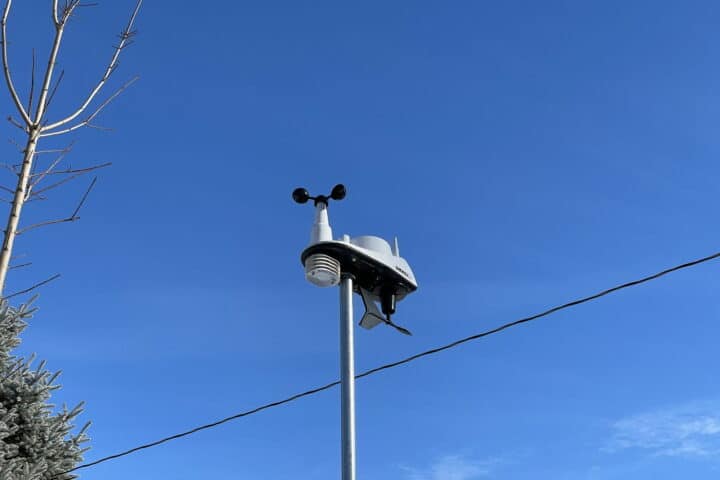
(403, 361)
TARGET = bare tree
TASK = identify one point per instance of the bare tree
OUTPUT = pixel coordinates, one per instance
(35, 126)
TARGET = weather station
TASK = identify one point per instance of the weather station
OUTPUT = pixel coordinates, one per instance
(366, 265)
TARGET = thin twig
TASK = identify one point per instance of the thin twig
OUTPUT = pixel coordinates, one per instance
(16, 123)
(86, 122)
(99, 127)
(47, 223)
(55, 89)
(47, 170)
(37, 285)
(56, 184)
(71, 218)
(50, 150)
(68, 11)
(20, 266)
(84, 197)
(36, 198)
(84, 5)
(32, 82)
(81, 170)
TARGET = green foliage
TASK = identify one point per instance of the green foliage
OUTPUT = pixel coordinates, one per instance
(35, 442)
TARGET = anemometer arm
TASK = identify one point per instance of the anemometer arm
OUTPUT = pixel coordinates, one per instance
(301, 195)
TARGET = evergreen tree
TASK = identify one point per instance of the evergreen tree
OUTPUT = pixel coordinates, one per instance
(35, 442)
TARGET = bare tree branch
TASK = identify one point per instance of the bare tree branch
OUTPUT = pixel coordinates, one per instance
(42, 100)
(84, 5)
(32, 185)
(56, 20)
(81, 170)
(56, 184)
(86, 122)
(22, 265)
(48, 170)
(45, 224)
(6, 65)
(71, 218)
(32, 82)
(50, 150)
(125, 35)
(55, 89)
(37, 285)
(16, 123)
(68, 9)
(84, 197)
(99, 127)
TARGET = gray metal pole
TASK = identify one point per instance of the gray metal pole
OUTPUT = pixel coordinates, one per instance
(347, 378)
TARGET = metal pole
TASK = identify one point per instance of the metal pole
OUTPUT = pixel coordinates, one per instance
(347, 379)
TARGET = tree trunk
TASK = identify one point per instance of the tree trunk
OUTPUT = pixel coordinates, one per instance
(17, 205)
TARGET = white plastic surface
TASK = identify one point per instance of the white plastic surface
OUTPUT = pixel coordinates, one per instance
(322, 270)
(321, 231)
(370, 242)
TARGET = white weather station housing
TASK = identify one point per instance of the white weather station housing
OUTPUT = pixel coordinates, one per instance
(380, 274)
(366, 265)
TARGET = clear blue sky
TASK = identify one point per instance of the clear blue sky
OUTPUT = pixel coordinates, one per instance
(525, 153)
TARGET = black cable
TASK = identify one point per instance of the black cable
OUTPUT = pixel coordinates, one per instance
(404, 361)
(205, 427)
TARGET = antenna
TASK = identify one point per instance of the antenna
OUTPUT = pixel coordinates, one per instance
(366, 265)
